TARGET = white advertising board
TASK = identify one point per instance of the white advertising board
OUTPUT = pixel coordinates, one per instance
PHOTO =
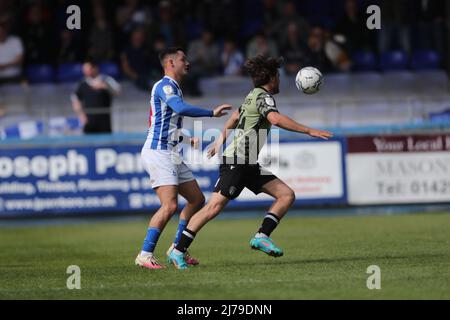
(314, 170)
(398, 169)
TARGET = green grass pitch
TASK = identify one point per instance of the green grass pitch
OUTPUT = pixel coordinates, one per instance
(325, 258)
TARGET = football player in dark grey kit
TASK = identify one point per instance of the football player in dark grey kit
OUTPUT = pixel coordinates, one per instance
(240, 169)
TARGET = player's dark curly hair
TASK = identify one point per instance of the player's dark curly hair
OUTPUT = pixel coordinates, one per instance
(262, 69)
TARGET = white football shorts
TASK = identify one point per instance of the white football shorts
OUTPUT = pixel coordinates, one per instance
(166, 168)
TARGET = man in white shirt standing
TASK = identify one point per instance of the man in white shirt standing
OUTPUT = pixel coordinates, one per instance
(11, 56)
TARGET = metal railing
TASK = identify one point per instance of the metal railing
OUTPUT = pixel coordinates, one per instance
(130, 114)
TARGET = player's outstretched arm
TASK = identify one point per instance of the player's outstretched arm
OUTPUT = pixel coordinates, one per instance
(284, 122)
(229, 125)
(185, 109)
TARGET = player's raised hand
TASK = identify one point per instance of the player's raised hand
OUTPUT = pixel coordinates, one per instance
(213, 150)
(320, 134)
(219, 111)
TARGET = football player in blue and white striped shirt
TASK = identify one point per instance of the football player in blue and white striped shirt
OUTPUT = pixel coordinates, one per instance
(161, 156)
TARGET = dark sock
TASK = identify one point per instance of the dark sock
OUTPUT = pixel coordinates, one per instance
(187, 236)
(269, 224)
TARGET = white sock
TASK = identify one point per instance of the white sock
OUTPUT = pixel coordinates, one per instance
(260, 235)
(145, 254)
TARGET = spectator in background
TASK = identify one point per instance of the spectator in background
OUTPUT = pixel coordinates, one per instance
(101, 42)
(317, 55)
(294, 51)
(325, 53)
(69, 48)
(131, 15)
(289, 16)
(135, 60)
(232, 58)
(261, 45)
(334, 49)
(167, 26)
(353, 27)
(159, 44)
(9, 13)
(38, 37)
(224, 17)
(271, 14)
(430, 30)
(203, 54)
(92, 99)
(11, 56)
(396, 25)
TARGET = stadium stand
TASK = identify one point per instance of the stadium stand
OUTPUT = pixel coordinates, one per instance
(111, 69)
(393, 86)
(40, 73)
(394, 61)
(346, 100)
(69, 72)
(425, 60)
(365, 61)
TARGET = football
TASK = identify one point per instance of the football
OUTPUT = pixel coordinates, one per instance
(309, 80)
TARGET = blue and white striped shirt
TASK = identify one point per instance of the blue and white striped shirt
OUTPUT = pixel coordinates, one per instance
(163, 121)
(167, 109)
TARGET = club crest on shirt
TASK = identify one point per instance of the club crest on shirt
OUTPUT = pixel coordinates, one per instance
(168, 89)
(269, 101)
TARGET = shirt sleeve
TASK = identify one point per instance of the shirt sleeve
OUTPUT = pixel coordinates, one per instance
(17, 46)
(169, 94)
(265, 104)
(113, 85)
